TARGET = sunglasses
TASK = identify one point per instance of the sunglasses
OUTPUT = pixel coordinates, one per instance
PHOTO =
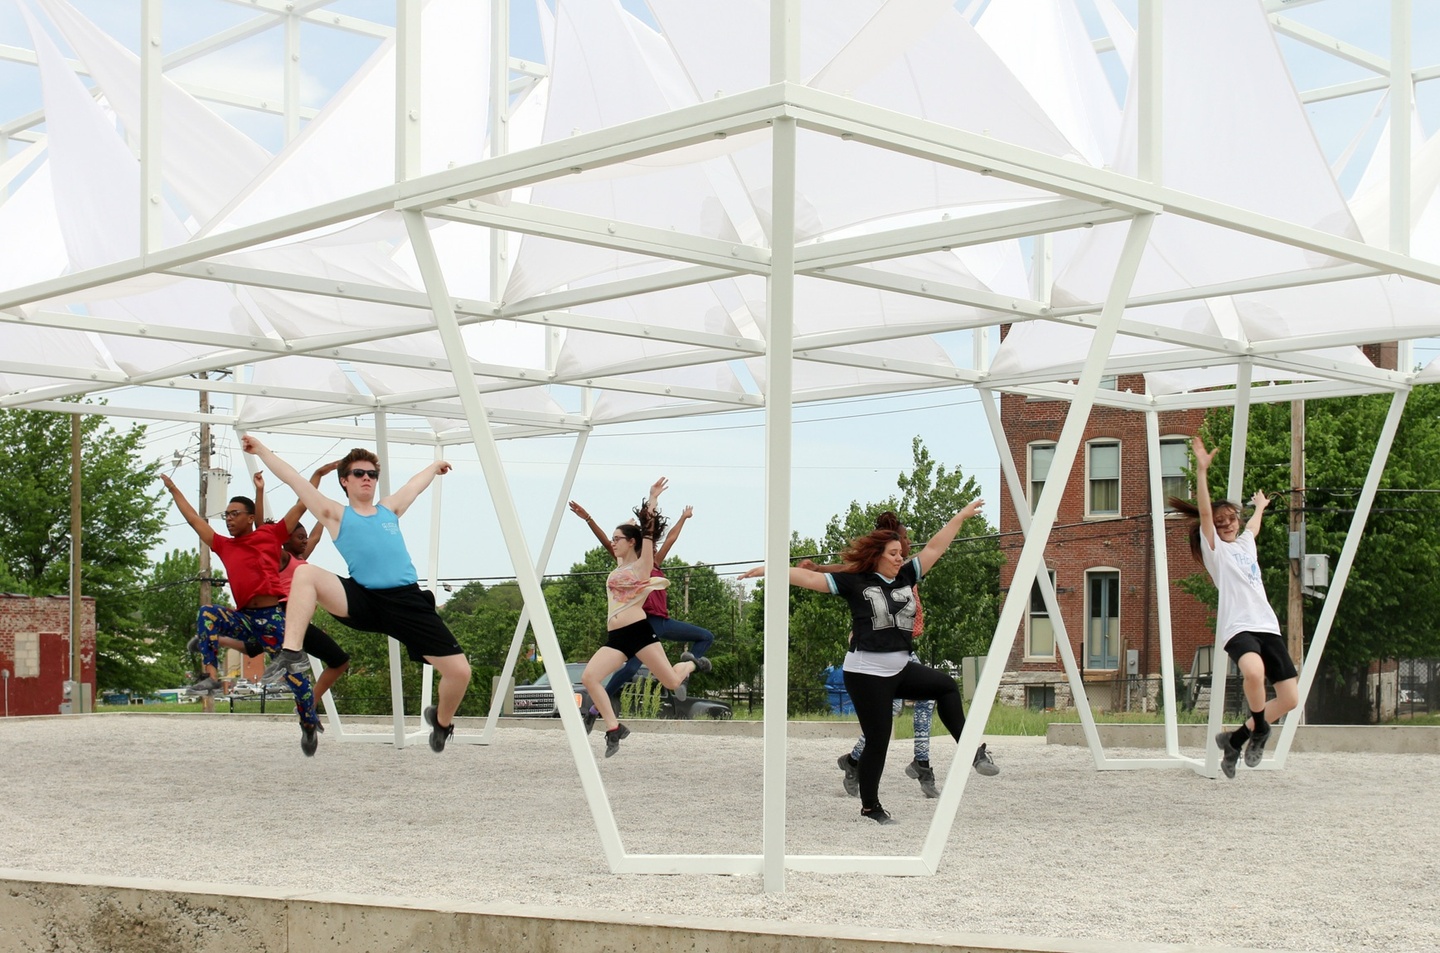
(359, 472)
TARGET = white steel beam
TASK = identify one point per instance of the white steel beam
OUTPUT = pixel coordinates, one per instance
(152, 182)
(1162, 584)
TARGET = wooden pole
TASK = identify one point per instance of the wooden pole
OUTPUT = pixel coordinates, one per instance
(78, 699)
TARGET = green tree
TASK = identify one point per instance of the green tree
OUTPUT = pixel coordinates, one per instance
(121, 521)
(1394, 587)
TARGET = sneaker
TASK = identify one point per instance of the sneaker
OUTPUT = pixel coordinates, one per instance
(984, 764)
(925, 775)
(309, 739)
(282, 663)
(1229, 754)
(193, 646)
(438, 735)
(702, 665)
(878, 814)
(209, 685)
(1255, 749)
(590, 717)
(613, 737)
(852, 775)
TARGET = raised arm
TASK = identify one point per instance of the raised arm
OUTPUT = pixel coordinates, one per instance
(941, 541)
(399, 501)
(202, 529)
(1203, 459)
(673, 535)
(804, 578)
(1259, 501)
(292, 517)
(259, 480)
(324, 508)
(600, 534)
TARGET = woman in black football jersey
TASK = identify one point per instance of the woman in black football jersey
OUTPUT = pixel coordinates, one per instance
(878, 583)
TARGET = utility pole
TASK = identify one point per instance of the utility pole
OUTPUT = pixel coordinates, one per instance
(1295, 605)
(208, 703)
(78, 699)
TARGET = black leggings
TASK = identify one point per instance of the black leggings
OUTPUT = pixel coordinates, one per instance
(873, 696)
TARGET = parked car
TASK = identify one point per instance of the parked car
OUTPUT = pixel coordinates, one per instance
(1411, 696)
(537, 700)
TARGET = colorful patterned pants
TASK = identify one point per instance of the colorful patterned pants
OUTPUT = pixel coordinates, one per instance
(262, 630)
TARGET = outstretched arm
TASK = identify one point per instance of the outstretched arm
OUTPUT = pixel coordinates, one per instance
(202, 529)
(324, 508)
(1259, 501)
(941, 541)
(804, 578)
(399, 501)
(673, 535)
(1203, 459)
(292, 518)
(580, 511)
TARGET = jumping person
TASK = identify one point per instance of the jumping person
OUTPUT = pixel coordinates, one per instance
(251, 556)
(630, 634)
(381, 594)
(657, 610)
(922, 711)
(878, 583)
(1245, 623)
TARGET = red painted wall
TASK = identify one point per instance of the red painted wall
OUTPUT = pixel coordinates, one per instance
(49, 617)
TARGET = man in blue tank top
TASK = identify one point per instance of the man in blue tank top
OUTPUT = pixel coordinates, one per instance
(381, 593)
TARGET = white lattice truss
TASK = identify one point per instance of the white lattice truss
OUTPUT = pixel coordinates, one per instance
(735, 205)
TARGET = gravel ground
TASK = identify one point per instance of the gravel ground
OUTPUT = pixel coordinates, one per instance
(1346, 856)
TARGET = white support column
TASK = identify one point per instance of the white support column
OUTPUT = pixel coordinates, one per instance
(1016, 489)
(524, 621)
(1042, 522)
(397, 680)
(1234, 487)
(432, 576)
(407, 89)
(499, 129)
(529, 581)
(292, 76)
(1149, 74)
(1402, 103)
(1342, 572)
(152, 177)
(779, 376)
(1162, 584)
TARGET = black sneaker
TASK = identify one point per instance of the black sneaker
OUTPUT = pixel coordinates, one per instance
(282, 663)
(984, 764)
(925, 775)
(1255, 749)
(309, 739)
(702, 665)
(438, 735)
(852, 775)
(1229, 754)
(590, 717)
(878, 814)
(209, 685)
(613, 737)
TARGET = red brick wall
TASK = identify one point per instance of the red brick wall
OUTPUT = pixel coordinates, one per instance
(1079, 544)
(48, 617)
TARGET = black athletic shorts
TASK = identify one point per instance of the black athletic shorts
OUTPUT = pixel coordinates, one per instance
(1271, 649)
(632, 638)
(406, 614)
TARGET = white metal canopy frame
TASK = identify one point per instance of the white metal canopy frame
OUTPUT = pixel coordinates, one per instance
(726, 206)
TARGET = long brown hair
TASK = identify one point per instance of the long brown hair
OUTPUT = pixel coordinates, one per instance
(864, 552)
(1191, 512)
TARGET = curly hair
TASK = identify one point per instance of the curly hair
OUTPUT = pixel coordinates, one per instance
(864, 552)
(1191, 512)
(652, 522)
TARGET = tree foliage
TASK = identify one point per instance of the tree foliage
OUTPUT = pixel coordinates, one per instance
(1393, 591)
(121, 521)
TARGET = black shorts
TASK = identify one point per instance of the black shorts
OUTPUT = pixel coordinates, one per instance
(406, 614)
(1271, 649)
(632, 638)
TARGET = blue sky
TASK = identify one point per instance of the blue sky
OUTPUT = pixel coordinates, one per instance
(845, 451)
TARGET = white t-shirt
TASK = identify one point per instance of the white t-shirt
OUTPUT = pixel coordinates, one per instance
(1243, 606)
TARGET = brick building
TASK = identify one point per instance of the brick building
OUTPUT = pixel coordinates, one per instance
(1101, 555)
(35, 651)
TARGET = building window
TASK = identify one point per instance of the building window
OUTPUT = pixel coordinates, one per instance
(1102, 619)
(1041, 456)
(1040, 697)
(1174, 458)
(1102, 460)
(1040, 639)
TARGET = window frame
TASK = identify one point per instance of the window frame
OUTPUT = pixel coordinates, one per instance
(1090, 480)
(1187, 491)
(1030, 482)
(1030, 616)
